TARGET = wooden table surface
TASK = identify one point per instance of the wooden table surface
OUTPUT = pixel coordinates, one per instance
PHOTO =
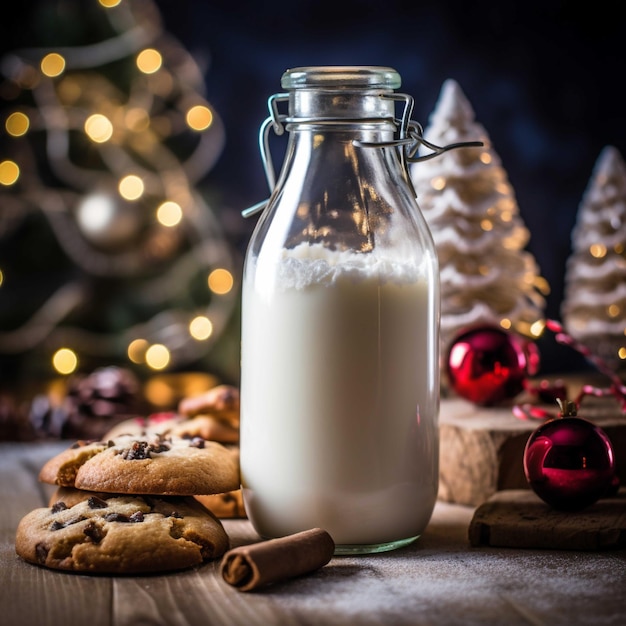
(438, 580)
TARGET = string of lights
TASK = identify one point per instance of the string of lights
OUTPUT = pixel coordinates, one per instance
(123, 204)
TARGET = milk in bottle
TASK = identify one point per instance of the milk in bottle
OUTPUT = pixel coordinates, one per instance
(340, 373)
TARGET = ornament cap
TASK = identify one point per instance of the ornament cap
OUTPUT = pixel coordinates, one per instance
(568, 408)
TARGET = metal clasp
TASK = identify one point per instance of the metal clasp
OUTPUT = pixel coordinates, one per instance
(274, 121)
(409, 139)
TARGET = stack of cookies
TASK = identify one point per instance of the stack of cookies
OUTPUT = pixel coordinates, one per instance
(147, 498)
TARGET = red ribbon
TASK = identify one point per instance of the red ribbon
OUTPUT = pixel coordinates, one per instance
(546, 390)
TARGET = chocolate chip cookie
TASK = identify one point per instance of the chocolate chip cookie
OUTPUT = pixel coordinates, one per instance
(212, 415)
(121, 534)
(154, 464)
(153, 424)
(227, 505)
(221, 402)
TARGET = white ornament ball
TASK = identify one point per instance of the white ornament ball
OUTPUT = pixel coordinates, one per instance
(108, 221)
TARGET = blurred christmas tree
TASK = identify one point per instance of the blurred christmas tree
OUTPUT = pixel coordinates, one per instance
(109, 253)
(487, 278)
(594, 307)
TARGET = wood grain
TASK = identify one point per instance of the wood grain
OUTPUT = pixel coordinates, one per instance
(482, 449)
(519, 519)
(440, 579)
(51, 598)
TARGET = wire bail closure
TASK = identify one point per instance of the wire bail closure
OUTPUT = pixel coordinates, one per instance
(410, 138)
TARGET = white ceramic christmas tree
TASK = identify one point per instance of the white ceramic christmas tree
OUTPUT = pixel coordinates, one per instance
(487, 278)
(594, 306)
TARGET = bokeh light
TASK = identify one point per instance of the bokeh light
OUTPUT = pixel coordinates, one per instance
(438, 183)
(199, 117)
(598, 250)
(201, 327)
(17, 124)
(98, 128)
(157, 356)
(9, 173)
(137, 350)
(149, 61)
(52, 64)
(537, 328)
(131, 187)
(169, 214)
(64, 361)
(220, 281)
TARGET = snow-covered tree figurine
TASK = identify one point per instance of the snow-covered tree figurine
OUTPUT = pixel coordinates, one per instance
(594, 306)
(487, 278)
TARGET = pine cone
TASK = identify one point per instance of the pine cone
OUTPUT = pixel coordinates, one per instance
(92, 405)
(105, 392)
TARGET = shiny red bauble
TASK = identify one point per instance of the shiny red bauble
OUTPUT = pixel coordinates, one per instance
(569, 463)
(488, 365)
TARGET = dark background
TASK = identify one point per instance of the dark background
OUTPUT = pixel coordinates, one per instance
(546, 80)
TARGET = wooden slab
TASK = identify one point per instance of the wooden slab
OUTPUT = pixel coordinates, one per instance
(482, 448)
(519, 519)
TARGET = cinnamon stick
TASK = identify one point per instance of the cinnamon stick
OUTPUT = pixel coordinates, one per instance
(252, 566)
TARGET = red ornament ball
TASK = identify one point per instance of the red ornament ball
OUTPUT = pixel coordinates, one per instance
(569, 463)
(488, 365)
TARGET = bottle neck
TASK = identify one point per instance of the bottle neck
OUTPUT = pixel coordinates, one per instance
(340, 105)
(340, 132)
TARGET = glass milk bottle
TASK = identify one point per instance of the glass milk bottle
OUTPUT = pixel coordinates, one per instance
(340, 372)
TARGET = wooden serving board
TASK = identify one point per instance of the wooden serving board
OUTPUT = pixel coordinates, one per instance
(520, 519)
(482, 448)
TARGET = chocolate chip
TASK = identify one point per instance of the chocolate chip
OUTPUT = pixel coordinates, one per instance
(97, 503)
(207, 549)
(177, 531)
(94, 532)
(139, 450)
(175, 514)
(41, 552)
(159, 447)
(197, 442)
(137, 516)
(56, 525)
(116, 517)
(58, 506)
